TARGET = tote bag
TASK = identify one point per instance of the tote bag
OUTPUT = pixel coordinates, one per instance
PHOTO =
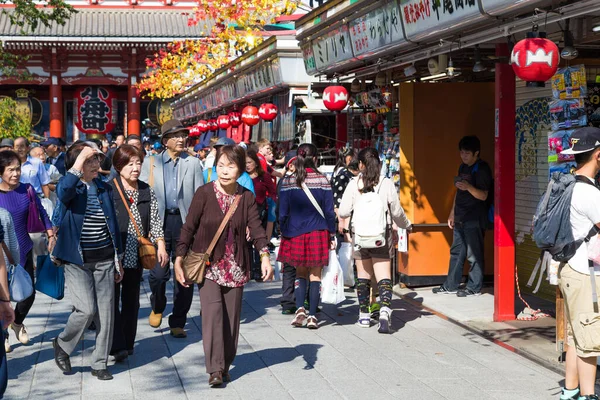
(50, 278)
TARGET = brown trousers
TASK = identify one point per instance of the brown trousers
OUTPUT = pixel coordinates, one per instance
(221, 309)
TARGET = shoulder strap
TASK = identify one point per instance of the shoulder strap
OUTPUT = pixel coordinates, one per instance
(312, 199)
(208, 175)
(137, 229)
(151, 175)
(228, 216)
(11, 260)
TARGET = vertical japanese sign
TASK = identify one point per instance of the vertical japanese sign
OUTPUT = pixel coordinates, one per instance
(309, 58)
(96, 110)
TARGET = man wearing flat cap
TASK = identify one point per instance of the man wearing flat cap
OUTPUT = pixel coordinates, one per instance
(174, 175)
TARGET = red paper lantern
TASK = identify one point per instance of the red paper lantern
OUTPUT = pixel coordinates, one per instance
(203, 125)
(212, 124)
(250, 115)
(96, 110)
(235, 119)
(335, 98)
(535, 59)
(223, 122)
(194, 130)
(268, 111)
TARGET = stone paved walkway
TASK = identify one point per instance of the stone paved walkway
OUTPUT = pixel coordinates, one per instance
(425, 358)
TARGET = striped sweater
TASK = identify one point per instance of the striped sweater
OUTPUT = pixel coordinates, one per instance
(95, 234)
(297, 214)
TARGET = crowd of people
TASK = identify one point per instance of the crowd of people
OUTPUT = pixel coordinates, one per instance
(96, 202)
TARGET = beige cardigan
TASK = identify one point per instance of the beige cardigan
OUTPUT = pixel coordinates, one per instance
(388, 195)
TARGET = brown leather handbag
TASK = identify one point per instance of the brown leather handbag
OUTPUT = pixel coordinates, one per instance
(146, 249)
(194, 264)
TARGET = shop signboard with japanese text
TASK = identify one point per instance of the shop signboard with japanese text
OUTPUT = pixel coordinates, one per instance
(378, 29)
(422, 18)
(333, 48)
(95, 110)
(309, 58)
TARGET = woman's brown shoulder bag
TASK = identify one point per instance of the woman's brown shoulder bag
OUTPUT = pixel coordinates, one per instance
(146, 249)
(194, 264)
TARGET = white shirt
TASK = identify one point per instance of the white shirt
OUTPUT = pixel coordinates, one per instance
(585, 213)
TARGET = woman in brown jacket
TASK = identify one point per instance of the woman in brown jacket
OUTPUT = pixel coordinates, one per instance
(229, 268)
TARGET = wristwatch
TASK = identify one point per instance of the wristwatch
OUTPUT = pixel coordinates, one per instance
(345, 230)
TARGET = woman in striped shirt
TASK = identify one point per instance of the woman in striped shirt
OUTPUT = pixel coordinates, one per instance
(15, 198)
(89, 244)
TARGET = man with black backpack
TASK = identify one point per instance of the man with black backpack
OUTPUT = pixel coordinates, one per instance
(578, 285)
(468, 219)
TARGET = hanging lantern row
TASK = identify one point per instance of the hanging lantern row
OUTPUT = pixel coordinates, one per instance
(535, 59)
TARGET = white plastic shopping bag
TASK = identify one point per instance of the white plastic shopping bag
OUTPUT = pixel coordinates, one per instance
(276, 265)
(347, 263)
(332, 281)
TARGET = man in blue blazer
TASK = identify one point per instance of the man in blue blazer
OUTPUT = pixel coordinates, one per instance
(174, 175)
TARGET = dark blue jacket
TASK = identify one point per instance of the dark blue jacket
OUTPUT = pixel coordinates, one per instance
(60, 163)
(72, 203)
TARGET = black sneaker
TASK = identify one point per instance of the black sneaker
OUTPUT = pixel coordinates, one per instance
(467, 293)
(442, 290)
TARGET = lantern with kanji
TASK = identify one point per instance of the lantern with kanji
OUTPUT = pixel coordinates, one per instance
(235, 119)
(194, 130)
(159, 112)
(95, 110)
(268, 111)
(203, 125)
(212, 124)
(535, 59)
(223, 122)
(250, 115)
(335, 98)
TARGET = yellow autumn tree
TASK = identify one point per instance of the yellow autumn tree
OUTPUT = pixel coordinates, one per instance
(237, 26)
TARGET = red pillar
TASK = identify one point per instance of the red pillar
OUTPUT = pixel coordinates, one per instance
(133, 101)
(56, 107)
(504, 201)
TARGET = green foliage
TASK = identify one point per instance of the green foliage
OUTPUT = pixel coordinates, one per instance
(28, 15)
(12, 124)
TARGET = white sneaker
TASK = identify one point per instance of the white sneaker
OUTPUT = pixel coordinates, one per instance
(364, 320)
(7, 348)
(20, 332)
(385, 315)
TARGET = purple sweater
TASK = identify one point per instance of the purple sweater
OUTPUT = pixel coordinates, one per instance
(16, 202)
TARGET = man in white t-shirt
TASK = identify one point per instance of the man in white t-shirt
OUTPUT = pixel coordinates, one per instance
(583, 324)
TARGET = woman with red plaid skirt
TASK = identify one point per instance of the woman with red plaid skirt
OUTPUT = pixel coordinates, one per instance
(307, 224)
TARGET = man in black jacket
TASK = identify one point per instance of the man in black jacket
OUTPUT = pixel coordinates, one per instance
(468, 219)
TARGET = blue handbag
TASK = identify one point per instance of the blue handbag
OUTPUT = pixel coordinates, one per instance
(50, 278)
(19, 281)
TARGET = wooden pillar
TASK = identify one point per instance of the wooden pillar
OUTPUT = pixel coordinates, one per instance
(504, 188)
(133, 101)
(56, 106)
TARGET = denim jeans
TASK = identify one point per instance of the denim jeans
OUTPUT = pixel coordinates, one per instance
(467, 244)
